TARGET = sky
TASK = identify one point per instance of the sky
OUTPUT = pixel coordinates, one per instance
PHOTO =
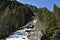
(41, 3)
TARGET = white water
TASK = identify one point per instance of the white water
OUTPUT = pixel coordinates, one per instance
(19, 35)
(22, 34)
(34, 21)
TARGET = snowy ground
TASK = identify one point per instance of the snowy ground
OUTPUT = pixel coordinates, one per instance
(19, 35)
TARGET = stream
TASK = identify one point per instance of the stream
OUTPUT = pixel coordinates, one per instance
(23, 33)
(19, 35)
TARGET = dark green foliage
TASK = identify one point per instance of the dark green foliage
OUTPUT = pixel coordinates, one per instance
(51, 23)
(13, 15)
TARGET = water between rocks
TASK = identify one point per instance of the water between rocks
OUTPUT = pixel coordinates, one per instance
(19, 35)
(23, 34)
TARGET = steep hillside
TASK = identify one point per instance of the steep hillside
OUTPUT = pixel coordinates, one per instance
(13, 15)
(50, 22)
(33, 8)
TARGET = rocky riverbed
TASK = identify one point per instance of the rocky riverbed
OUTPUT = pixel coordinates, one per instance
(30, 32)
(19, 35)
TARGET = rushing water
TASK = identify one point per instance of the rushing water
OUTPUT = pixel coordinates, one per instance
(19, 35)
(22, 34)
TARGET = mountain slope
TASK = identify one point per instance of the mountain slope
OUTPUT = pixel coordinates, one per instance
(13, 15)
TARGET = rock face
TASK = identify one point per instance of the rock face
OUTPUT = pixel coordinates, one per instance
(13, 15)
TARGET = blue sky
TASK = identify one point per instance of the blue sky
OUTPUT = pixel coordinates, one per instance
(42, 3)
